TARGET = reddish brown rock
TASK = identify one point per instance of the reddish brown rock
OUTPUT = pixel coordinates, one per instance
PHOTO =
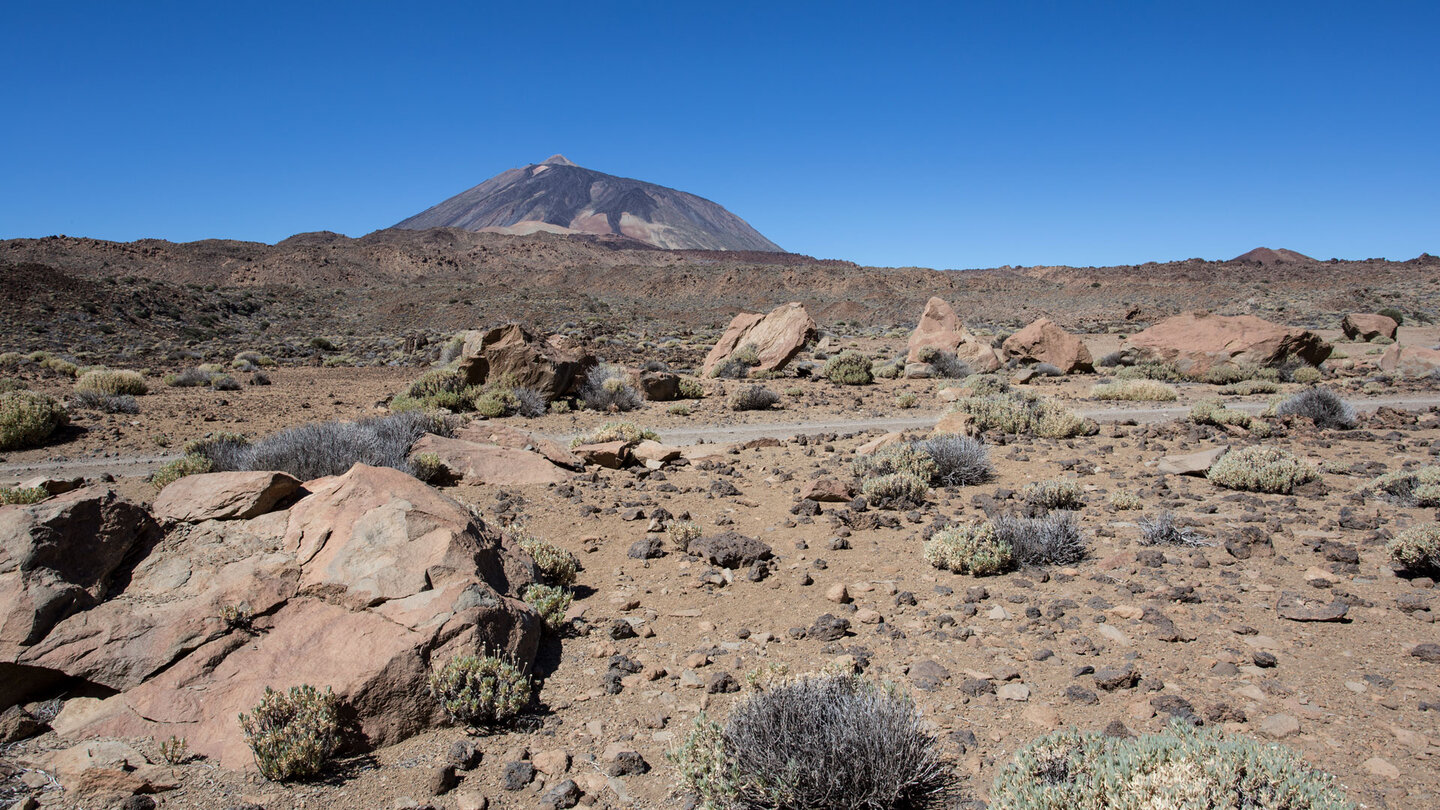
(1197, 342)
(1045, 342)
(828, 489)
(940, 328)
(1368, 325)
(222, 496)
(777, 336)
(506, 436)
(649, 450)
(1410, 361)
(606, 454)
(489, 463)
(659, 386)
(555, 367)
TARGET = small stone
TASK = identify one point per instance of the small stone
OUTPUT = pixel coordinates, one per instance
(838, 593)
(1280, 726)
(471, 800)
(1429, 653)
(722, 683)
(561, 797)
(517, 775)
(1112, 678)
(1263, 659)
(1013, 691)
(829, 628)
(1375, 766)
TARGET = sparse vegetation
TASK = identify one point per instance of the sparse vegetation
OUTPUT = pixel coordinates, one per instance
(895, 491)
(1322, 406)
(1021, 413)
(1214, 412)
(1245, 388)
(960, 461)
(907, 401)
(428, 467)
(627, 432)
(1417, 549)
(1261, 468)
(22, 495)
(105, 403)
(945, 363)
(1393, 314)
(608, 389)
(550, 602)
(753, 398)
(1134, 391)
(682, 533)
(28, 419)
(557, 566)
(1151, 370)
(1055, 494)
(1415, 487)
(823, 742)
(974, 549)
(481, 690)
(173, 471)
(293, 734)
(330, 448)
(1164, 530)
(690, 388)
(849, 368)
(1053, 539)
(110, 382)
(1124, 501)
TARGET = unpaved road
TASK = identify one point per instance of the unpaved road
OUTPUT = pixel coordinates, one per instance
(713, 434)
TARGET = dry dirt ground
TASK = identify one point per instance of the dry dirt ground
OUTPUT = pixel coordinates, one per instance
(993, 662)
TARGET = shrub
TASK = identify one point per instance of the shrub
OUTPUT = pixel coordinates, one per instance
(823, 742)
(887, 371)
(481, 690)
(190, 378)
(682, 533)
(1021, 413)
(173, 471)
(60, 366)
(550, 602)
(1125, 501)
(329, 448)
(323, 344)
(491, 404)
(437, 381)
(224, 382)
(427, 467)
(945, 363)
(106, 403)
(1050, 540)
(984, 385)
(1214, 412)
(28, 418)
(895, 491)
(1230, 373)
(848, 368)
(903, 457)
(731, 369)
(607, 388)
(1245, 388)
(1053, 494)
(1151, 370)
(1306, 375)
(251, 358)
(974, 549)
(112, 383)
(1162, 530)
(23, 495)
(1135, 391)
(557, 566)
(753, 398)
(627, 432)
(1393, 314)
(678, 409)
(960, 461)
(690, 389)
(1418, 487)
(1262, 468)
(907, 401)
(1322, 406)
(293, 734)
(749, 355)
(1180, 767)
(1417, 548)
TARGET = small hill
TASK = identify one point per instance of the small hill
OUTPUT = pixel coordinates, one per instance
(557, 196)
(1267, 257)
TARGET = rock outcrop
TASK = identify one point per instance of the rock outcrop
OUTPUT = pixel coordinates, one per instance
(1045, 342)
(477, 463)
(222, 496)
(1197, 342)
(777, 337)
(555, 366)
(1368, 326)
(1410, 361)
(940, 328)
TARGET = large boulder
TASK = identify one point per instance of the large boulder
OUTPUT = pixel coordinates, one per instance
(777, 336)
(659, 386)
(555, 366)
(1368, 326)
(222, 496)
(940, 328)
(1045, 342)
(1410, 361)
(488, 432)
(361, 587)
(489, 463)
(1196, 342)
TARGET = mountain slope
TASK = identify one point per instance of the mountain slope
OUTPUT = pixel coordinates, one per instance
(559, 197)
(1267, 257)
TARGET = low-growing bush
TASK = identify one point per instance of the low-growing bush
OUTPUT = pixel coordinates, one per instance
(1393, 314)
(748, 354)
(960, 461)
(1230, 373)
(975, 549)
(690, 388)
(678, 409)
(822, 742)
(105, 403)
(481, 690)
(627, 432)
(753, 398)
(190, 378)
(849, 368)
(731, 369)
(550, 602)
(907, 401)
(1125, 501)
(491, 404)
(895, 491)
(1245, 388)
(1055, 494)
(608, 389)
(22, 495)
(1021, 413)
(1322, 406)
(682, 533)
(1417, 549)
(293, 734)
(329, 448)
(428, 467)
(945, 363)
(1417, 487)
(1053, 539)
(1306, 375)
(902, 457)
(224, 382)
(1163, 530)
(984, 385)
(1135, 391)
(28, 418)
(1214, 412)
(557, 566)
(173, 471)
(112, 382)
(1151, 370)
(1262, 468)
(887, 371)
(1180, 767)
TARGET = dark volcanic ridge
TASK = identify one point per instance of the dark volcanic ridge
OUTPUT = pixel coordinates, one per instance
(1268, 257)
(557, 196)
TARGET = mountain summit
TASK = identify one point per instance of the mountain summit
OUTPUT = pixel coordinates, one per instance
(561, 197)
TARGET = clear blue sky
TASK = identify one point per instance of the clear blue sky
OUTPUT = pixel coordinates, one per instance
(942, 135)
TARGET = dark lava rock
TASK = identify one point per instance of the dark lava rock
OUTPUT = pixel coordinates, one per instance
(829, 627)
(730, 550)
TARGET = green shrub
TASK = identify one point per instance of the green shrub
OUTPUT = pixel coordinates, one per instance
(293, 734)
(984, 385)
(748, 355)
(60, 366)
(1417, 548)
(849, 368)
(1307, 375)
(678, 409)
(690, 388)
(1182, 767)
(887, 371)
(753, 398)
(550, 602)
(190, 378)
(1055, 494)
(1393, 314)
(112, 383)
(1214, 412)
(1417, 487)
(682, 533)
(895, 491)
(27, 419)
(1230, 373)
(627, 432)
(1262, 468)
(323, 344)
(1245, 388)
(224, 382)
(1151, 370)
(907, 401)
(973, 549)
(481, 690)
(494, 404)
(173, 471)
(901, 457)
(1125, 501)
(557, 566)
(22, 495)
(427, 466)
(10, 359)
(1021, 413)
(1135, 391)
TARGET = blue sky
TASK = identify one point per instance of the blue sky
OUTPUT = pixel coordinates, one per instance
(943, 135)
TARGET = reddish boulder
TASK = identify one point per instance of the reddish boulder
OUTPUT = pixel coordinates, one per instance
(606, 454)
(940, 328)
(1368, 326)
(1410, 361)
(1197, 342)
(828, 490)
(1045, 342)
(489, 432)
(777, 337)
(489, 463)
(555, 367)
(222, 496)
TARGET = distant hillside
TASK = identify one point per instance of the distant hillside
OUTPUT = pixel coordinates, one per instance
(557, 196)
(1267, 257)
